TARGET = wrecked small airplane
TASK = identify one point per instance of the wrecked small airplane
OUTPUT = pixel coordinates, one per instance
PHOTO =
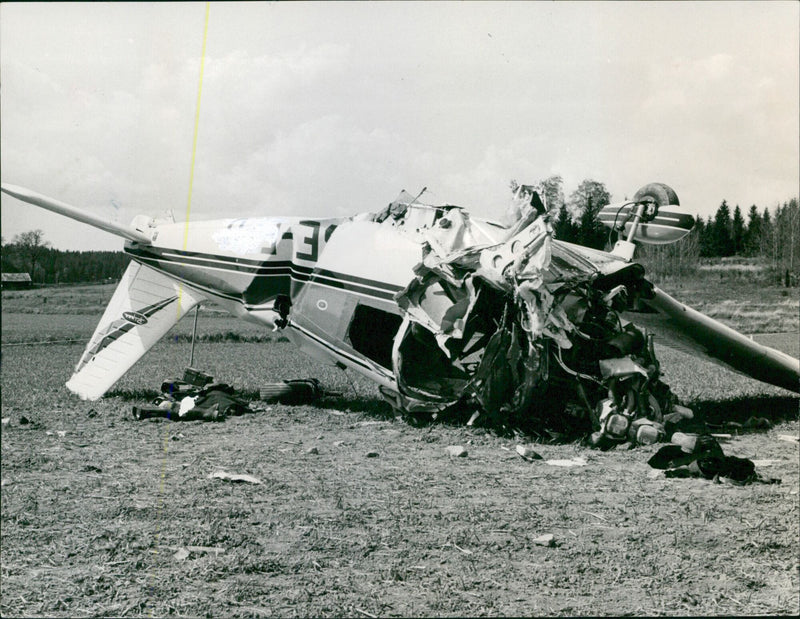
(445, 312)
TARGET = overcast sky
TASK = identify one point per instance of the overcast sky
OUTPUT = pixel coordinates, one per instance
(333, 108)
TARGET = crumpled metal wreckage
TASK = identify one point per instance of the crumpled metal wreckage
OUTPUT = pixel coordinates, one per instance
(526, 333)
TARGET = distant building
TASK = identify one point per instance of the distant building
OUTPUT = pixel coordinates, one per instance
(16, 281)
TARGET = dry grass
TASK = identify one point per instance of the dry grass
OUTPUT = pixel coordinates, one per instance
(748, 301)
(95, 505)
(92, 520)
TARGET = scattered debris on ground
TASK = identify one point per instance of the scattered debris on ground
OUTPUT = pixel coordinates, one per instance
(567, 462)
(548, 539)
(184, 552)
(234, 477)
(629, 417)
(527, 453)
(195, 397)
(701, 456)
(456, 451)
(299, 391)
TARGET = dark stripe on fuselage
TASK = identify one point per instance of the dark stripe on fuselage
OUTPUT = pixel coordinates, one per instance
(345, 285)
(280, 274)
(229, 263)
(357, 280)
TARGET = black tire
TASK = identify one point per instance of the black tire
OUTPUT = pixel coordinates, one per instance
(275, 391)
(659, 193)
(292, 391)
(655, 195)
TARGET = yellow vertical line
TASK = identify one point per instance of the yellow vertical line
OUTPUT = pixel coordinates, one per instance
(163, 478)
(194, 146)
(196, 126)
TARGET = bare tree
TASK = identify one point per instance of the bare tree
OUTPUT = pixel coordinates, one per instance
(30, 246)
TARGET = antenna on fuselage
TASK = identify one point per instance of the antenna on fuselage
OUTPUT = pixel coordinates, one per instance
(424, 189)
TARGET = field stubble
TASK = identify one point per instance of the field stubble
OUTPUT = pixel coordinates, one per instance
(96, 506)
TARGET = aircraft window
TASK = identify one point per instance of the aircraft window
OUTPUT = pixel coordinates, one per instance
(425, 370)
(372, 333)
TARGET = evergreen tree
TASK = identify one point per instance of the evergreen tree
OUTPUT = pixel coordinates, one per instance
(737, 231)
(752, 237)
(591, 233)
(563, 227)
(765, 244)
(722, 243)
(703, 231)
(776, 247)
(791, 236)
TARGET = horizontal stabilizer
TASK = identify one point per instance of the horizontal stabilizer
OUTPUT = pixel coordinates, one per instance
(62, 208)
(145, 305)
(669, 225)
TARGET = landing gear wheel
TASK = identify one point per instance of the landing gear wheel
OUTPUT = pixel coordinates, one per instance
(655, 195)
(292, 391)
(274, 391)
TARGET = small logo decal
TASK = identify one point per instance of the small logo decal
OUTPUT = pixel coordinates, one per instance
(135, 317)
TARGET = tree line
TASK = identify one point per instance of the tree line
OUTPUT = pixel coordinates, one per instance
(30, 253)
(769, 237)
(773, 236)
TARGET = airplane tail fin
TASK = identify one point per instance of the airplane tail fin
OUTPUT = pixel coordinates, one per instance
(51, 204)
(144, 307)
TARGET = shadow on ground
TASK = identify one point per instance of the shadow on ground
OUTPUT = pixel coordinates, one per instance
(746, 409)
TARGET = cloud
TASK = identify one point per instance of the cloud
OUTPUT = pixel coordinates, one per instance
(320, 109)
(323, 166)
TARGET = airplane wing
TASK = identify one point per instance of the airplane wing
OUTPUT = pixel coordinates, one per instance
(144, 307)
(679, 326)
(62, 208)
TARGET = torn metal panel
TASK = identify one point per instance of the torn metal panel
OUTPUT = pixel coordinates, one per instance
(438, 305)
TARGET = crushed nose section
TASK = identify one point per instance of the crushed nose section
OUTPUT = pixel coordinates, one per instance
(527, 333)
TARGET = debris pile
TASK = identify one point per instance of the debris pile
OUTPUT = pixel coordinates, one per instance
(702, 456)
(526, 333)
(195, 397)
